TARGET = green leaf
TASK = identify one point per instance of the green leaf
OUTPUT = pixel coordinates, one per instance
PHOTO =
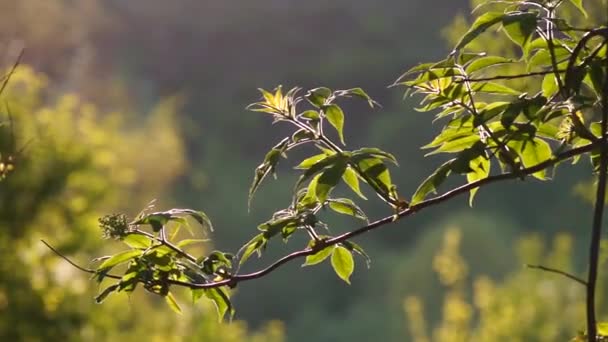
(457, 145)
(520, 27)
(173, 303)
(119, 258)
(376, 172)
(310, 161)
(602, 329)
(104, 294)
(347, 207)
(549, 85)
(311, 115)
(374, 152)
(480, 25)
(343, 263)
(494, 88)
(480, 167)
(360, 93)
(318, 257)
(532, 152)
(579, 5)
(268, 166)
(137, 241)
(490, 111)
(318, 96)
(220, 298)
(352, 180)
(320, 165)
(254, 245)
(328, 180)
(351, 246)
(188, 242)
(431, 184)
(335, 116)
(485, 62)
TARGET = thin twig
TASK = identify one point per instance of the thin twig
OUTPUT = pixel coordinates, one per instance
(84, 269)
(7, 77)
(554, 270)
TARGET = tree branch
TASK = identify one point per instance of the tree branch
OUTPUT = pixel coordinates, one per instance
(235, 279)
(596, 232)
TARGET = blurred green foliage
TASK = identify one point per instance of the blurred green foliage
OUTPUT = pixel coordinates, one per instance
(78, 162)
(527, 305)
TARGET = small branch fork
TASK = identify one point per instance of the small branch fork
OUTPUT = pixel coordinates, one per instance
(238, 278)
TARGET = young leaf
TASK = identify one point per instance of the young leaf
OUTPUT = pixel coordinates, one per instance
(320, 165)
(485, 62)
(310, 161)
(352, 180)
(100, 297)
(374, 152)
(220, 298)
(351, 246)
(549, 85)
(520, 27)
(480, 167)
(254, 245)
(579, 5)
(188, 242)
(494, 88)
(433, 181)
(377, 173)
(328, 180)
(318, 257)
(532, 152)
(360, 93)
(335, 116)
(173, 303)
(119, 258)
(343, 263)
(137, 241)
(347, 207)
(318, 96)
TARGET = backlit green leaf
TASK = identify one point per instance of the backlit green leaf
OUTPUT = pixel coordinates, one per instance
(351, 246)
(173, 303)
(189, 242)
(328, 180)
(480, 167)
(494, 88)
(102, 296)
(485, 62)
(318, 257)
(343, 263)
(481, 24)
(318, 96)
(335, 116)
(352, 180)
(532, 152)
(347, 207)
(431, 184)
(137, 241)
(220, 298)
(520, 27)
(579, 5)
(119, 258)
(310, 161)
